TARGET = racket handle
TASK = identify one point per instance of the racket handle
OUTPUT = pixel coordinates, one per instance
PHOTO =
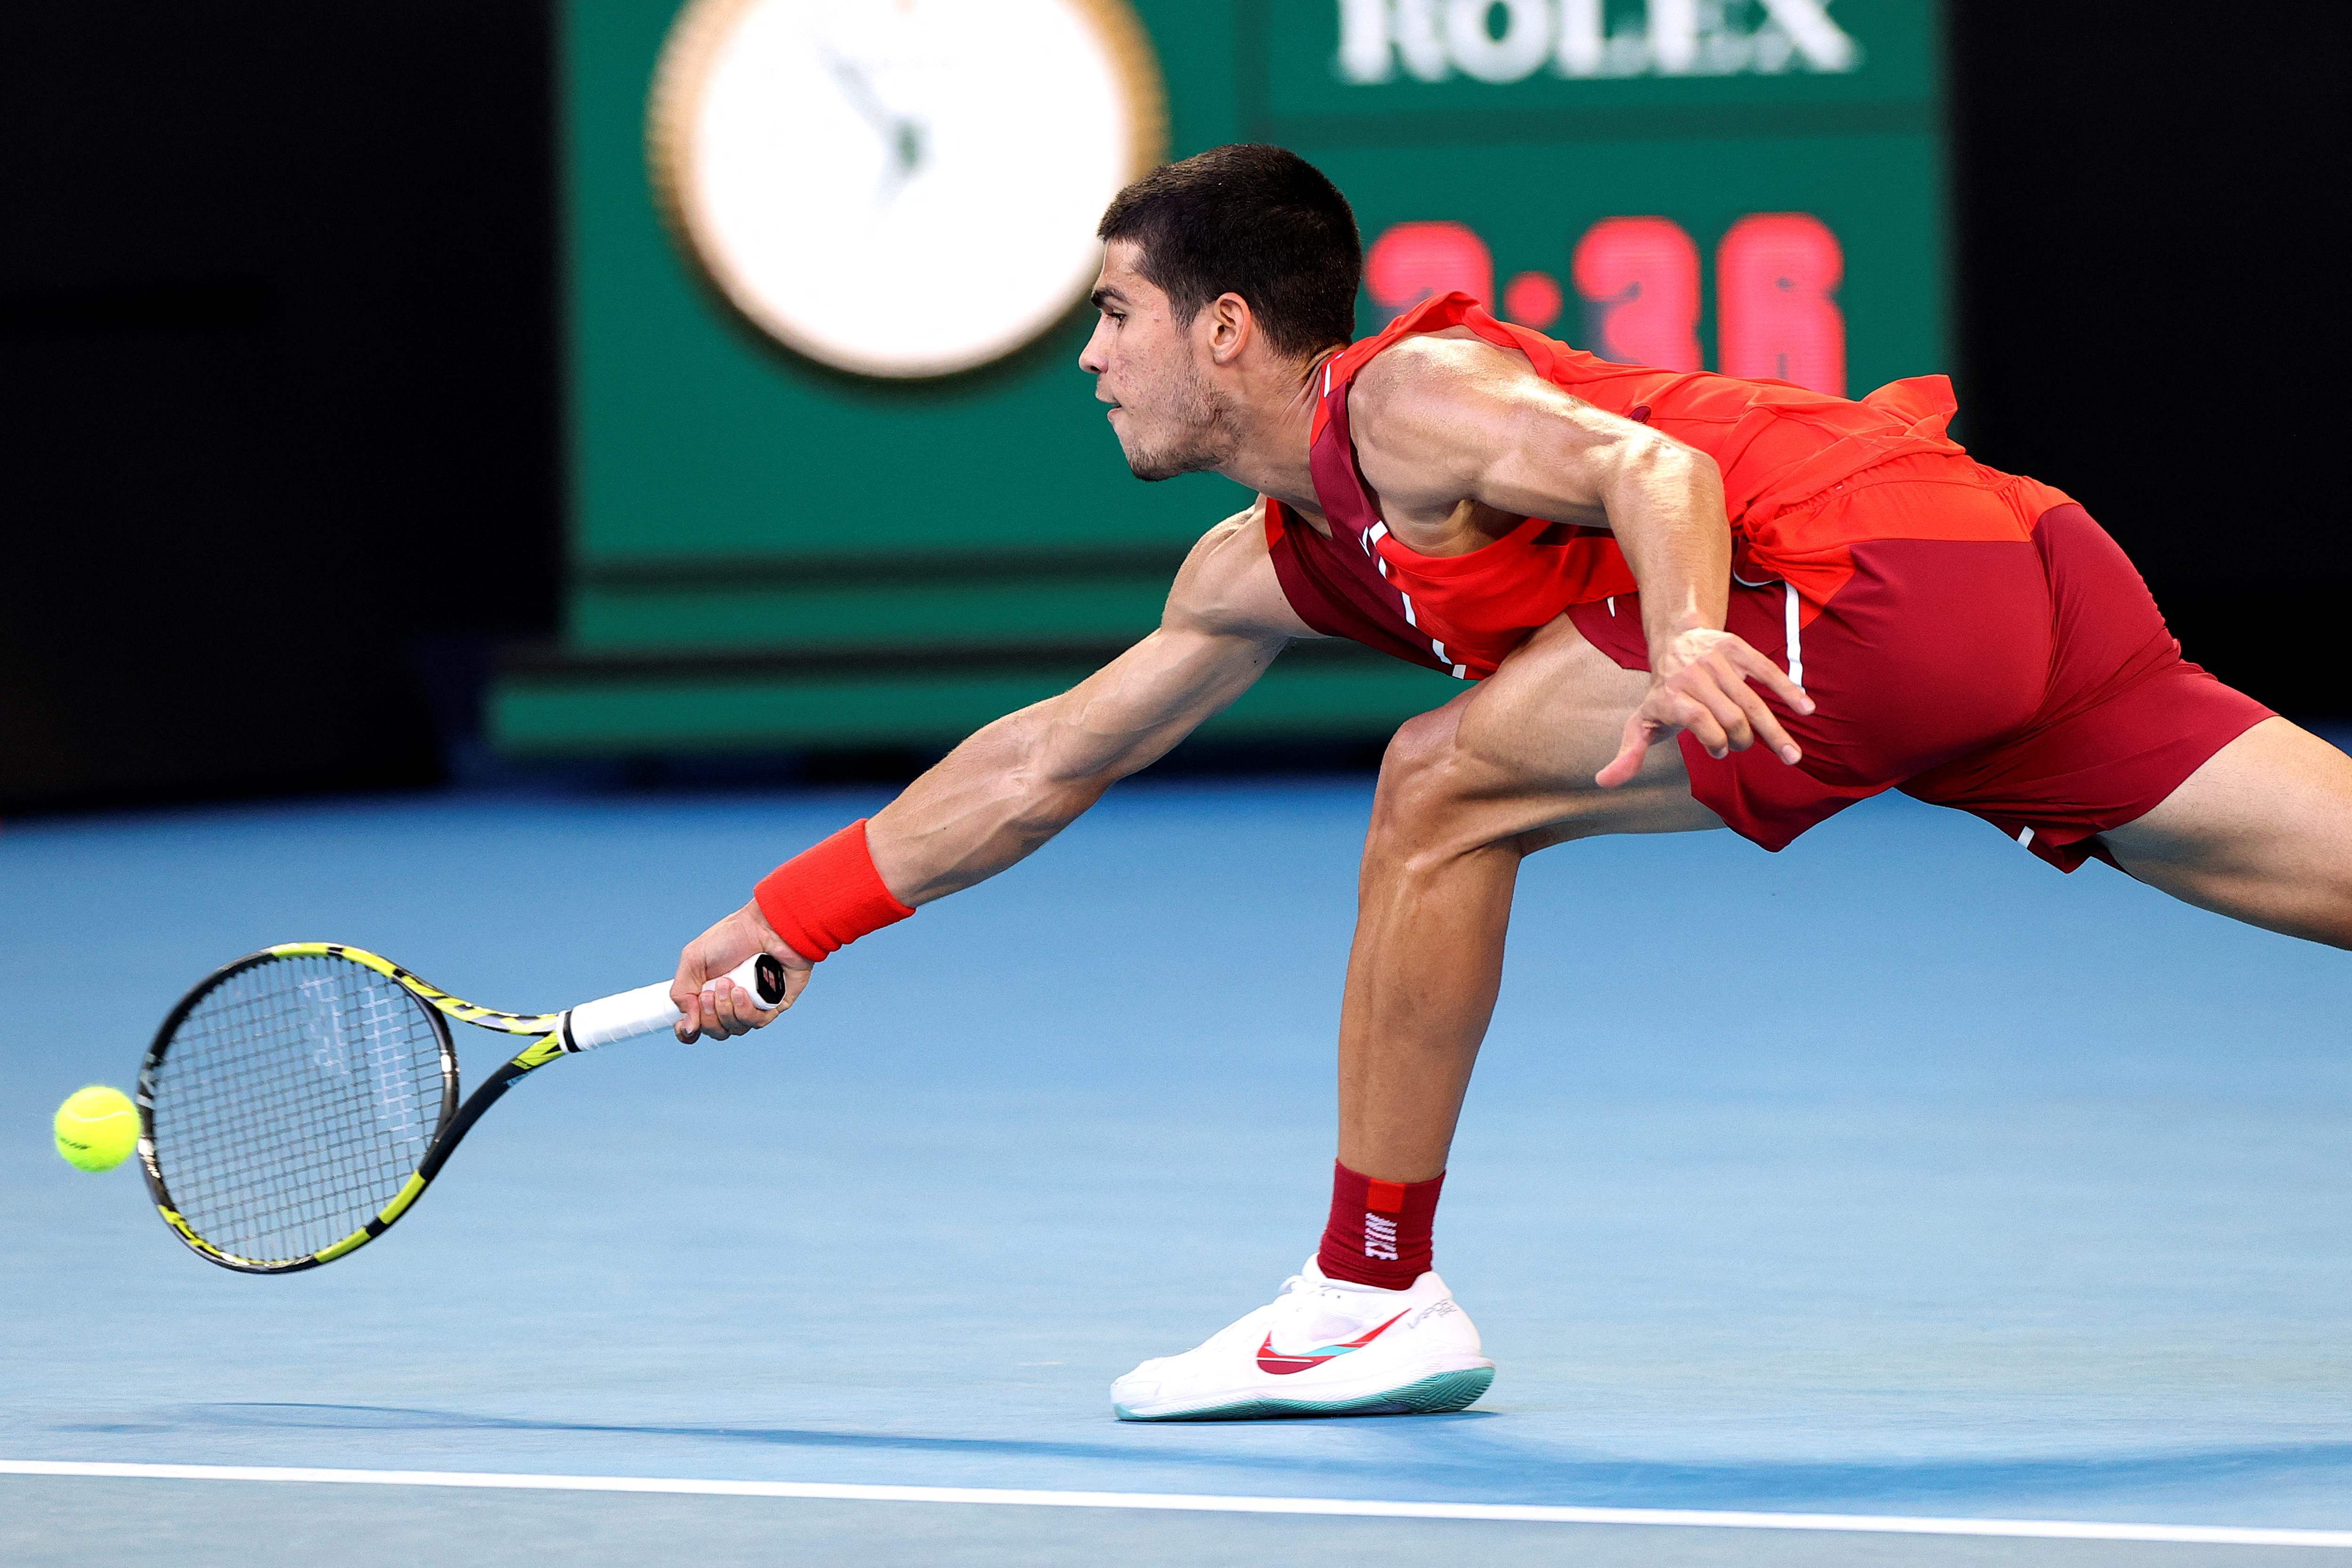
(608, 1021)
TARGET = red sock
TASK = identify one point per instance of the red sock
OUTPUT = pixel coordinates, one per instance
(1378, 1232)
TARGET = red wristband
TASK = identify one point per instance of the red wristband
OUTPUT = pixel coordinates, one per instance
(828, 896)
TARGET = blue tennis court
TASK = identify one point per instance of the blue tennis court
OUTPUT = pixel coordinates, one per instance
(1892, 1175)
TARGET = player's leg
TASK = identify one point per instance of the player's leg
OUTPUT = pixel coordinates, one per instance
(2191, 785)
(2262, 831)
(1466, 793)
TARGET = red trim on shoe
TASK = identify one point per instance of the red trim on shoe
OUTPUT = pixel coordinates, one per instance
(1270, 1360)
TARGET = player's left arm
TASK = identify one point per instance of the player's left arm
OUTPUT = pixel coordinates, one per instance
(1440, 420)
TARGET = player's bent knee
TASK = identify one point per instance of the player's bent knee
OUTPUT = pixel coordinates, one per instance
(1425, 782)
(1419, 750)
(1440, 799)
(1411, 767)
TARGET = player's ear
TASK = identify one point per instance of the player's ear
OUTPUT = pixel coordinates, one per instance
(1227, 328)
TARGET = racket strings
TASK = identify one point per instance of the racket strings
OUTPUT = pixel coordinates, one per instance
(293, 1103)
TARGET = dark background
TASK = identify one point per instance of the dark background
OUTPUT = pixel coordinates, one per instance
(281, 376)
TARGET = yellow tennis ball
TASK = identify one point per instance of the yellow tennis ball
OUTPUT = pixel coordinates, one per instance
(97, 1128)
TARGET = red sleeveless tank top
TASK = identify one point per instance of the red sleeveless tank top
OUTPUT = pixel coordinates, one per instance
(1778, 446)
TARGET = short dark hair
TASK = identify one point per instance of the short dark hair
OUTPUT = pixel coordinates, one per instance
(1253, 220)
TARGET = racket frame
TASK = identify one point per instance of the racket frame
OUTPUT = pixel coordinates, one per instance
(456, 1119)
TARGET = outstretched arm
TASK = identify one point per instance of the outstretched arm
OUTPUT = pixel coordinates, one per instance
(1441, 420)
(1008, 788)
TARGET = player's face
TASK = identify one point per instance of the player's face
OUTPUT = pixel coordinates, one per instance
(1171, 419)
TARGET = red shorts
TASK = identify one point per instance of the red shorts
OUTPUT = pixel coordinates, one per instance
(2031, 682)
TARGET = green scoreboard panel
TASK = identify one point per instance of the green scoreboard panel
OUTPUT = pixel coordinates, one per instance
(769, 553)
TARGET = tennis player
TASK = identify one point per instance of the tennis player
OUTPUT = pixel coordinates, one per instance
(1815, 600)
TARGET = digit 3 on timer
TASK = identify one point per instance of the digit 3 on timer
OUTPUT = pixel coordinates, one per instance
(901, 188)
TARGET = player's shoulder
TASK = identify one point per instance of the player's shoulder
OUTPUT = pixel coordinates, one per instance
(1229, 553)
(1231, 538)
(1433, 362)
(1433, 378)
(1227, 582)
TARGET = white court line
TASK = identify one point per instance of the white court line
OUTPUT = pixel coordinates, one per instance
(1875, 1524)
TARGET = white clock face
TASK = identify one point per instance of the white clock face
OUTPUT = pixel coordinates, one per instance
(902, 187)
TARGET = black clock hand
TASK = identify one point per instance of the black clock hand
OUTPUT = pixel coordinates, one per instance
(903, 133)
(910, 150)
(855, 87)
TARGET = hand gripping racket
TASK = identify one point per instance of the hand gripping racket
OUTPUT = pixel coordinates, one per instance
(296, 1103)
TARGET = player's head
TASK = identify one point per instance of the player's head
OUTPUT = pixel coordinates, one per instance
(1238, 261)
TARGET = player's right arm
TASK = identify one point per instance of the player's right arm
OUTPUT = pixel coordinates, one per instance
(1014, 785)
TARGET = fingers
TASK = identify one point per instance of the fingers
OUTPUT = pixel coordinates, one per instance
(728, 1010)
(1622, 766)
(1757, 667)
(1770, 731)
(686, 993)
(1762, 723)
(711, 1015)
(721, 1020)
(727, 1000)
(742, 1009)
(1716, 720)
(1725, 714)
(1732, 667)
(708, 1003)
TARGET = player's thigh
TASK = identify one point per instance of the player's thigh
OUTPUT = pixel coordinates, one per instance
(1523, 749)
(2262, 831)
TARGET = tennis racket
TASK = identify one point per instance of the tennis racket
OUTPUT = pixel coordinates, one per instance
(297, 1102)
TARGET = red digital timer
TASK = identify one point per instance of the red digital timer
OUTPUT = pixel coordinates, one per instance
(1775, 280)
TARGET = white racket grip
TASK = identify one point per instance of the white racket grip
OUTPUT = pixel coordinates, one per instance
(608, 1021)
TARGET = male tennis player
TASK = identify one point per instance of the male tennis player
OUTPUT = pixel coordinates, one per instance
(1611, 556)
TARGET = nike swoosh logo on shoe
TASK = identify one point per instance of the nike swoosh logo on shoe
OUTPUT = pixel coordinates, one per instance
(1270, 1360)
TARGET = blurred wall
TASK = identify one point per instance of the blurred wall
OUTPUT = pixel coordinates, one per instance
(279, 359)
(2152, 302)
(277, 354)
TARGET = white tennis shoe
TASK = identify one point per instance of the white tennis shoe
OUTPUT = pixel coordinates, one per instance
(1323, 1347)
